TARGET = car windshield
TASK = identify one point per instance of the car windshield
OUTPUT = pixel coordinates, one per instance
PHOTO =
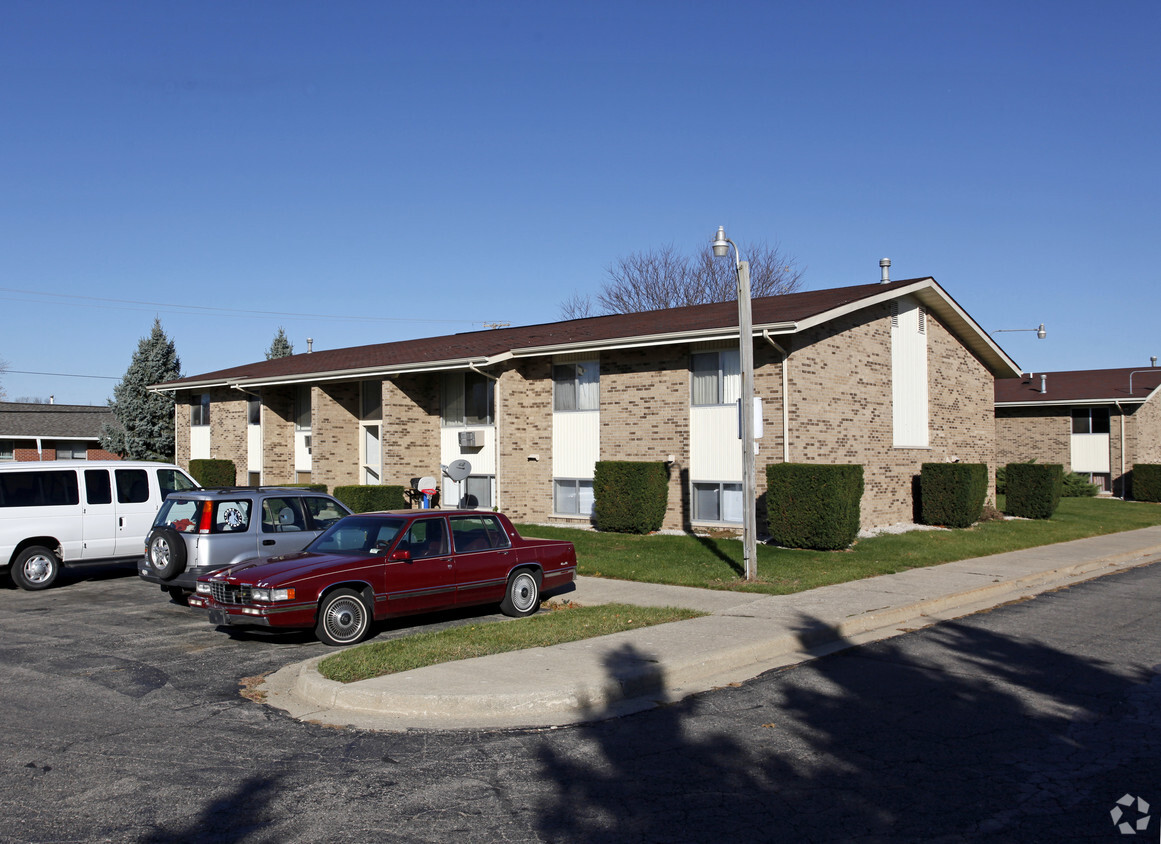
(358, 535)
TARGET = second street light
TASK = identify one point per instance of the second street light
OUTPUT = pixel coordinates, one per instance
(721, 247)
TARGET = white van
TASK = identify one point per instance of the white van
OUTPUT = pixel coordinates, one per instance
(78, 512)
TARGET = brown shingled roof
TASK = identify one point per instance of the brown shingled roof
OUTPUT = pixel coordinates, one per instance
(1086, 385)
(59, 421)
(479, 345)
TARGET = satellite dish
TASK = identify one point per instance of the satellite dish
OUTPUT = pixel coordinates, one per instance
(428, 485)
(457, 470)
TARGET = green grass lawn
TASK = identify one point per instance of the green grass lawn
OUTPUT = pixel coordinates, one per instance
(717, 563)
(567, 624)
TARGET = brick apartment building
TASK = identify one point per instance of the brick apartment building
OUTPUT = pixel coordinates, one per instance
(1097, 422)
(887, 375)
(30, 431)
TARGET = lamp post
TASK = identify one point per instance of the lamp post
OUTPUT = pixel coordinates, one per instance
(721, 247)
(1040, 332)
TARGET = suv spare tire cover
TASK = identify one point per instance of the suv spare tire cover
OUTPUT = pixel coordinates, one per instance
(165, 551)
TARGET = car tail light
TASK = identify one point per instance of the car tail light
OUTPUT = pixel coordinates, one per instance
(206, 521)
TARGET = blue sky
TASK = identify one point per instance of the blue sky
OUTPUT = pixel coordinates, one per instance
(359, 172)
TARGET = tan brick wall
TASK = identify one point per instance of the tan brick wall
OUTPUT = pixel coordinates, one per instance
(840, 409)
(335, 434)
(181, 412)
(277, 435)
(645, 415)
(410, 427)
(228, 429)
(524, 399)
(1042, 434)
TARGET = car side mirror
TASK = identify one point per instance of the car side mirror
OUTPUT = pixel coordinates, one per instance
(400, 557)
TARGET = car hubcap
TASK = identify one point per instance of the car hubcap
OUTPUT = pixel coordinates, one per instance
(344, 619)
(523, 591)
(36, 569)
(160, 554)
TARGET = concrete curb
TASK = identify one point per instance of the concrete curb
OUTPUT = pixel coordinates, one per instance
(625, 672)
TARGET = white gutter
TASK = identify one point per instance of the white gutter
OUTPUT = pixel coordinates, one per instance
(1067, 402)
(785, 397)
(668, 339)
(1124, 496)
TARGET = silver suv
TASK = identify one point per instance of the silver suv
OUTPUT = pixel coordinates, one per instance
(202, 530)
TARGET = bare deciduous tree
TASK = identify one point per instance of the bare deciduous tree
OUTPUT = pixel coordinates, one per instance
(664, 278)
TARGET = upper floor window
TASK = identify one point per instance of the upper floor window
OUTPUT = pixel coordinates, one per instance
(1090, 420)
(576, 386)
(371, 401)
(7, 449)
(199, 412)
(717, 377)
(254, 411)
(302, 408)
(467, 399)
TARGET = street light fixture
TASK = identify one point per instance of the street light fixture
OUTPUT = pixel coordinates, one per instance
(721, 247)
(1040, 332)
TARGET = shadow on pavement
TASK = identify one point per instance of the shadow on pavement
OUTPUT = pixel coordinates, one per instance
(1007, 740)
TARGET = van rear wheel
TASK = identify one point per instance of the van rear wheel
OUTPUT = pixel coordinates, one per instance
(36, 567)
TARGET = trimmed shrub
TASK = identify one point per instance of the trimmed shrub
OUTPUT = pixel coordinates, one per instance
(811, 505)
(952, 494)
(1146, 485)
(213, 472)
(630, 496)
(1077, 485)
(368, 498)
(1034, 489)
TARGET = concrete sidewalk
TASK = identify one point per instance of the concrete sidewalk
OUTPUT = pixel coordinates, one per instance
(744, 636)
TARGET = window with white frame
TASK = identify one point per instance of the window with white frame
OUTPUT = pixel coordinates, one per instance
(476, 492)
(7, 449)
(717, 502)
(467, 399)
(576, 386)
(717, 377)
(572, 496)
(199, 411)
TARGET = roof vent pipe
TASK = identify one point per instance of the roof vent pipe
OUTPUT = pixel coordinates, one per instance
(309, 345)
(1152, 360)
(1044, 383)
(884, 265)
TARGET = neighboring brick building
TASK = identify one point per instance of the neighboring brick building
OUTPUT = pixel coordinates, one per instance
(53, 431)
(887, 375)
(1097, 422)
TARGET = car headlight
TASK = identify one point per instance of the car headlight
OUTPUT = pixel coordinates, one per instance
(203, 588)
(271, 595)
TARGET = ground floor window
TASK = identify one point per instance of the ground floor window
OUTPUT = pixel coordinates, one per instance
(253, 479)
(476, 492)
(572, 496)
(1103, 480)
(717, 502)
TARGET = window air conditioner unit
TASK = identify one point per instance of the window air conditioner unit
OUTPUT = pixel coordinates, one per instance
(471, 439)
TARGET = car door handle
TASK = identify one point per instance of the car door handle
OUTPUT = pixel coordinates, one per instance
(267, 541)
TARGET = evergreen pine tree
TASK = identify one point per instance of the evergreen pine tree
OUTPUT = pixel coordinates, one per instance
(280, 347)
(145, 418)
